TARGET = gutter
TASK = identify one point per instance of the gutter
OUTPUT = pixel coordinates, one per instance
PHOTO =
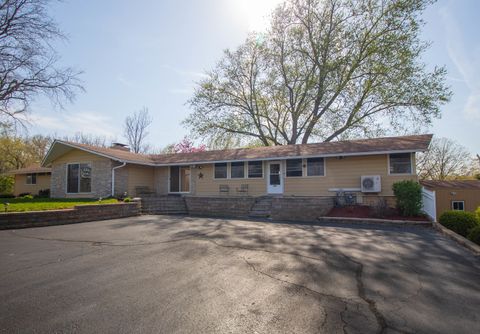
(113, 176)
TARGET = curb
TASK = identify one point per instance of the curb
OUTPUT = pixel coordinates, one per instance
(473, 247)
(376, 221)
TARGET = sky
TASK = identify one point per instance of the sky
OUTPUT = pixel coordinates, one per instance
(151, 53)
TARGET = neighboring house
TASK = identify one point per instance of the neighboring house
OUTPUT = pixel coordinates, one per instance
(31, 180)
(320, 169)
(463, 195)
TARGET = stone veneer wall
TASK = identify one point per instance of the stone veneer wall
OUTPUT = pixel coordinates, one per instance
(101, 180)
(300, 208)
(283, 208)
(79, 214)
(219, 206)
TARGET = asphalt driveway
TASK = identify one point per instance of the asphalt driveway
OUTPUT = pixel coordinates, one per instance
(154, 274)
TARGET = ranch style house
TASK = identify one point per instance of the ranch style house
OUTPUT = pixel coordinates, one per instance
(367, 168)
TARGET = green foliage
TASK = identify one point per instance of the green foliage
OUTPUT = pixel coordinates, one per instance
(6, 185)
(409, 197)
(323, 70)
(474, 235)
(27, 197)
(39, 204)
(127, 199)
(460, 222)
(478, 213)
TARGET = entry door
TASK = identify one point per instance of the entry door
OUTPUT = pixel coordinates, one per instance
(179, 179)
(275, 179)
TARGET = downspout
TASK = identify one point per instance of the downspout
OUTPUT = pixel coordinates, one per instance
(113, 177)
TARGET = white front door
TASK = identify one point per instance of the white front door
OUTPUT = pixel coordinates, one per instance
(275, 179)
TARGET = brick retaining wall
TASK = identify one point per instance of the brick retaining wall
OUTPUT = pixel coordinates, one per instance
(79, 214)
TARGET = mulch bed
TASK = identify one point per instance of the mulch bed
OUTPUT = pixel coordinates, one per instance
(362, 211)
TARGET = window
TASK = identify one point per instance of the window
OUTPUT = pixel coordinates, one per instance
(220, 170)
(458, 205)
(79, 178)
(294, 167)
(31, 178)
(315, 167)
(237, 170)
(255, 169)
(400, 163)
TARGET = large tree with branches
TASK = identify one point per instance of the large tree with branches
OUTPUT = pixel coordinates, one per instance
(28, 62)
(325, 69)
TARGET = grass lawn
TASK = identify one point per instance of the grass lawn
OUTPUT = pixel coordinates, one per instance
(38, 204)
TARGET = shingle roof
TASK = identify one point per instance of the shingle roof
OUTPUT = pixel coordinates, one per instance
(351, 147)
(454, 184)
(30, 170)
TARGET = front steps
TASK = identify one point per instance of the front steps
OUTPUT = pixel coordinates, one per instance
(262, 208)
(165, 205)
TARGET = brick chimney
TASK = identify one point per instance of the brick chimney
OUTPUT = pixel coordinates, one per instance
(120, 146)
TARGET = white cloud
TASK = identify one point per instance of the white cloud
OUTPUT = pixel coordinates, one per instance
(466, 61)
(69, 123)
(185, 73)
(124, 81)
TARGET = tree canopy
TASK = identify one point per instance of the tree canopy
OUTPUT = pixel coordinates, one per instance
(325, 69)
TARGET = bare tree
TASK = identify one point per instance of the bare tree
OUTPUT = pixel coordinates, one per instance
(88, 139)
(135, 130)
(444, 160)
(28, 62)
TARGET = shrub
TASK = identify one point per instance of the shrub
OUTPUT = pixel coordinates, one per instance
(460, 222)
(23, 195)
(474, 235)
(409, 197)
(7, 196)
(478, 213)
(6, 184)
(127, 199)
(44, 193)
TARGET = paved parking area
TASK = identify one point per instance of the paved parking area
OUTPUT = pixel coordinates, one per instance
(159, 274)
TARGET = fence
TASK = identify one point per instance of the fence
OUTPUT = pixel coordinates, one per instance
(428, 203)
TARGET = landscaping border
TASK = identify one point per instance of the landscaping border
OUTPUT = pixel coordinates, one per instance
(376, 221)
(79, 214)
(458, 238)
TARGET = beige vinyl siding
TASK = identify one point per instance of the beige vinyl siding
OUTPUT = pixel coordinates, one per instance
(339, 173)
(21, 186)
(208, 186)
(76, 155)
(140, 176)
(444, 198)
(161, 180)
(345, 173)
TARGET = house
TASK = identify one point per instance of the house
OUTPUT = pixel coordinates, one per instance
(306, 170)
(31, 180)
(461, 195)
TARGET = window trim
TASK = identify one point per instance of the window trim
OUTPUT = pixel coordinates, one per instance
(26, 179)
(324, 167)
(262, 164)
(66, 178)
(412, 170)
(244, 171)
(301, 168)
(221, 178)
(458, 201)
